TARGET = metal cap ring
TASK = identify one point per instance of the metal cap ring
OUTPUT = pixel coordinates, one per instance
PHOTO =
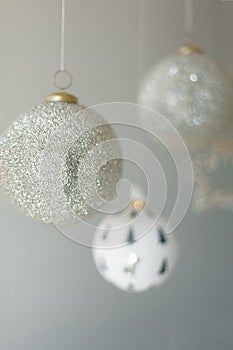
(68, 74)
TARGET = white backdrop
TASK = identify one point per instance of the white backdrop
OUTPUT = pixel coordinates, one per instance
(51, 296)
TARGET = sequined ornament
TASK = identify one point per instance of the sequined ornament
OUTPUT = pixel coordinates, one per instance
(210, 166)
(194, 94)
(57, 163)
(146, 257)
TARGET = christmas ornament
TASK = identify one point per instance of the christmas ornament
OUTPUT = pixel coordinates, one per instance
(41, 157)
(146, 257)
(57, 161)
(192, 92)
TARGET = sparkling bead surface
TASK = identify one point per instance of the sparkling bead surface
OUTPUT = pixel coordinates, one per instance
(42, 160)
(193, 93)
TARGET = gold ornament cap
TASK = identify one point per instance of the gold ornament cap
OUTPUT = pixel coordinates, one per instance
(137, 204)
(61, 97)
(188, 50)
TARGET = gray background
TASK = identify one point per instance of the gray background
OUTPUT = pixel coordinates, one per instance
(51, 296)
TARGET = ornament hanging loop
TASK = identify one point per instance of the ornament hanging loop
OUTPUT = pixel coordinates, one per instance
(62, 74)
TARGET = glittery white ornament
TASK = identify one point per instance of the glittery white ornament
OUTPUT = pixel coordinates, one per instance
(147, 254)
(44, 158)
(193, 93)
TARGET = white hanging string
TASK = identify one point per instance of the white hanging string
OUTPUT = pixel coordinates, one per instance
(141, 58)
(141, 41)
(188, 21)
(62, 57)
(62, 70)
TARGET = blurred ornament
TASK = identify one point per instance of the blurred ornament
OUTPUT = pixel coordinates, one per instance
(191, 91)
(146, 257)
(207, 196)
(60, 160)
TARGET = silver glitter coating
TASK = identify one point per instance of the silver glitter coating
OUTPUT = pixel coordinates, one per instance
(193, 93)
(46, 160)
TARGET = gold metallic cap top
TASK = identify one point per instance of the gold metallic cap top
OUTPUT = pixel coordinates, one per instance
(137, 204)
(61, 97)
(188, 49)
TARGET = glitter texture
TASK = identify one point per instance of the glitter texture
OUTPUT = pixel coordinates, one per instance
(193, 93)
(49, 155)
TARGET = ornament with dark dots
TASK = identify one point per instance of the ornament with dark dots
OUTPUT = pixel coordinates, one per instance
(164, 267)
(130, 238)
(162, 237)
